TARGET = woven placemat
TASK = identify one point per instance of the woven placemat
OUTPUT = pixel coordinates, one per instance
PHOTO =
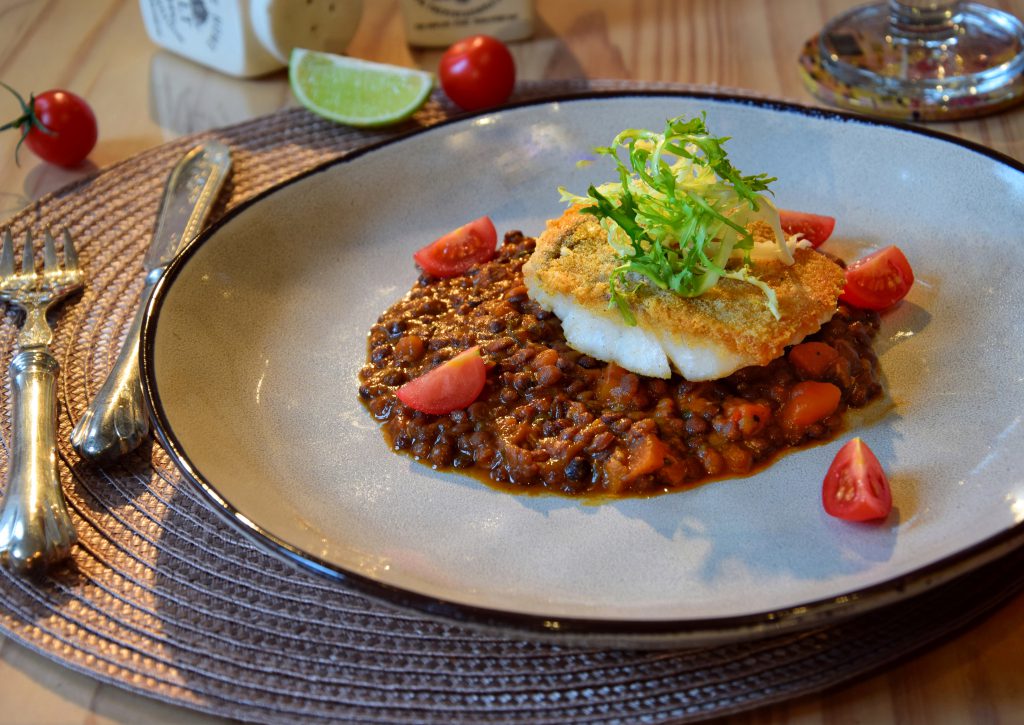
(162, 599)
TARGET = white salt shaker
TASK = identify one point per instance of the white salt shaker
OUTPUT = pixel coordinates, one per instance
(249, 37)
(439, 23)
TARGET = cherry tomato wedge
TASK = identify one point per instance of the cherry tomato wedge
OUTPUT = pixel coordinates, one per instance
(459, 249)
(816, 228)
(855, 487)
(878, 281)
(478, 72)
(57, 126)
(450, 386)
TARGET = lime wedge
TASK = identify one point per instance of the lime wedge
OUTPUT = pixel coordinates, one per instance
(356, 92)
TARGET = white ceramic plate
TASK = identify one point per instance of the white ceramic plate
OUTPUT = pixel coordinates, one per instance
(255, 337)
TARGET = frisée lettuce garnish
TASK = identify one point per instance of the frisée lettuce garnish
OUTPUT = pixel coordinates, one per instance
(679, 213)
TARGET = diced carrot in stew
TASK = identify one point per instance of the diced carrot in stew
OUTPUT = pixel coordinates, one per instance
(812, 359)
(748, 418)
(610, 380)
(646, 455)
(809, 402)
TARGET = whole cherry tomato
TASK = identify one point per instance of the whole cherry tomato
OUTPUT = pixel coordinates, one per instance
(58, 126)
(478, 72)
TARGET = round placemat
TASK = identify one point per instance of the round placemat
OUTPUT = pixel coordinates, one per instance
(162, 599)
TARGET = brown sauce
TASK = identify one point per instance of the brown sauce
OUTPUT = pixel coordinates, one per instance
(553, 419)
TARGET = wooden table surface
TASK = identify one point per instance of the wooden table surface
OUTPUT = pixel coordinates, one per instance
(144, 96)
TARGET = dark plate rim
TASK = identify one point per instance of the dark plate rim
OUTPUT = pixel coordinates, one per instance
(600, 632)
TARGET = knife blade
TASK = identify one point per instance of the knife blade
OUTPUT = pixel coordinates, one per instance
(117, 421)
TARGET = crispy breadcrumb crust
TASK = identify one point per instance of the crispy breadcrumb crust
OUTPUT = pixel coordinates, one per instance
(573, 259)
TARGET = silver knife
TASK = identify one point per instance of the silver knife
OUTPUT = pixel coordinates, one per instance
(117, 421)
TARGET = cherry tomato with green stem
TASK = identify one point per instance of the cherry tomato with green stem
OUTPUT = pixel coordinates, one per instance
(57, 126)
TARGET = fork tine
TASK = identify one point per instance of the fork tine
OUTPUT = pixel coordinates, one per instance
(7, 255)
(28, 262)
(70, 255)
(49, 252)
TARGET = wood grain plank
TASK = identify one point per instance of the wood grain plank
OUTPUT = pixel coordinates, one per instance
(144, 96)
(35, 690)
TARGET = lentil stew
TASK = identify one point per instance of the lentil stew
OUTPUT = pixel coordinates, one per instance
(553, 419)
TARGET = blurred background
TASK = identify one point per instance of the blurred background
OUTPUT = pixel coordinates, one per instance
(143, 94)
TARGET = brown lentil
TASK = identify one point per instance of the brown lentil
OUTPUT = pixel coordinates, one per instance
(553, 419)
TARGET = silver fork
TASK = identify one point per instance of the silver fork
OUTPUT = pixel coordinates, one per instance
(35, 529)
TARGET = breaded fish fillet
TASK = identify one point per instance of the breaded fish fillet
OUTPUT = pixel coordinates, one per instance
(703, 338)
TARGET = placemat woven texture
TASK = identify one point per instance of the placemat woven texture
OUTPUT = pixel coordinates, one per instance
(161, 598)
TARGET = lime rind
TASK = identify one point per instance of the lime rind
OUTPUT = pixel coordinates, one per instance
(356, 92)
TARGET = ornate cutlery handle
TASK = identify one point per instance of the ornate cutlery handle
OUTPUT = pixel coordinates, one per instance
(35, 529)
(116, 421)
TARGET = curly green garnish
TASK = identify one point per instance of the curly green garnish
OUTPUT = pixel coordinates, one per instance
(679, 212)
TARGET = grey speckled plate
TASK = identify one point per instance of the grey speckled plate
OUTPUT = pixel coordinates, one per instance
(255, 337)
